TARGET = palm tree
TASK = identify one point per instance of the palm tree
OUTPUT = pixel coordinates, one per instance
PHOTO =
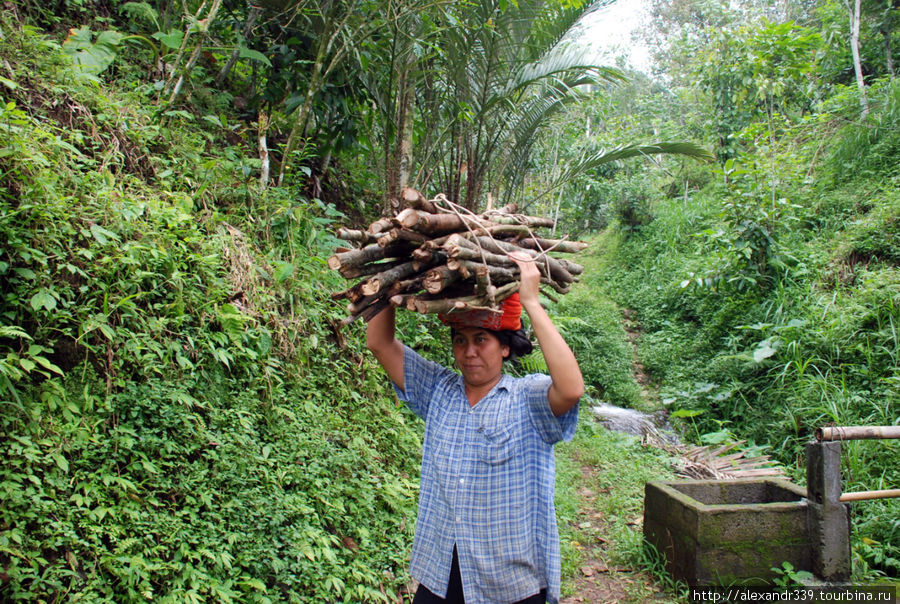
(501, 69)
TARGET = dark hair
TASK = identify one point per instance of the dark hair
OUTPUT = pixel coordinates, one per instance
(518, 343)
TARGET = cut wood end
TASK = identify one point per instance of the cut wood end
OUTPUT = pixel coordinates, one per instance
(371, 287)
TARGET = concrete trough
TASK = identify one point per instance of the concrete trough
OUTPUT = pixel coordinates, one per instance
(726, 532)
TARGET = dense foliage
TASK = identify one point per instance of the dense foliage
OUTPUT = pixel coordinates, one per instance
(185, 417)
(767, 286)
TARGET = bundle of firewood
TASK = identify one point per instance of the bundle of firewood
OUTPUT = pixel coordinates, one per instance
(434, 257)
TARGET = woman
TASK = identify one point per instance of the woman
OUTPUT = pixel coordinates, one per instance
(486, 528)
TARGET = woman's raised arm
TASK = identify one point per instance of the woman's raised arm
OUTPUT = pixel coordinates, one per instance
(568, 383)
(387, 349)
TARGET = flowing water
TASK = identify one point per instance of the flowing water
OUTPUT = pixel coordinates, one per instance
(634, 422)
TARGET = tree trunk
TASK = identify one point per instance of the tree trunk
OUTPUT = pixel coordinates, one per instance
(186, 72)
(857, 64)
(407, 111)
(263, 128)
(299, 127)
(886, 30)
(248, 26)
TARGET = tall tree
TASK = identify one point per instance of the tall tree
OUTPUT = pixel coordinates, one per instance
(500, 70)
(854, 11)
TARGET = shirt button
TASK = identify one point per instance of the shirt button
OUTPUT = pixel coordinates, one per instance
(457, 518)
(462, 480)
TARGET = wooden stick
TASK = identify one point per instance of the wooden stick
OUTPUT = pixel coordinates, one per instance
(406, 285)
(354, 258)
(381, 225)
(369, 312)
(440, 277)
(438, 224)
(384, 279)
(388, 237)
(510, 208)
(556, 245)
(498, 274)
(446, 305)
(407, 235)
(482, 279)
(575, 269)
(429, 255)
(364, 302)
(355, 235)
(353, 293)
(465, 252)
(866, 495)
(532, 221)
(498, 230)
(370, 253)
(398, 234)
(857, 432)
(356, 272)
(557, 269)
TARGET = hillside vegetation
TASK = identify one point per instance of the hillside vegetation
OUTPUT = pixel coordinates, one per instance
(186, 419)
(182, 417)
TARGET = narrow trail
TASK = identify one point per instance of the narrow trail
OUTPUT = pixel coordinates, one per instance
(599, 581)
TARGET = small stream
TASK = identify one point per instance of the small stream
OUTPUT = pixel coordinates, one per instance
(631, 421)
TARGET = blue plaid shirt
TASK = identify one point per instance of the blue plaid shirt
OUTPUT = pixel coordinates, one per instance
(488, 475)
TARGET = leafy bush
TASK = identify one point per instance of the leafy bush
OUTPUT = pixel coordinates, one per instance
(184, 418)
(818, 347)
(870, 147)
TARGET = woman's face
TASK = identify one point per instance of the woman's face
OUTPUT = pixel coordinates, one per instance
(479, 355)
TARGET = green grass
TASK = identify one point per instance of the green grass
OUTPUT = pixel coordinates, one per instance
(600, 494)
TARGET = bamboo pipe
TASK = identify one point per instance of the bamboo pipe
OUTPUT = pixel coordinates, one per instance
(857, 432)
(867, 495)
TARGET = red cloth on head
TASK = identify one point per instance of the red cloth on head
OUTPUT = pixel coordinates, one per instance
(508, 317)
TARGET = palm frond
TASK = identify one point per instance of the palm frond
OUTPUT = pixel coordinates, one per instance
(600, 158)
(595, 160)
(571, 60)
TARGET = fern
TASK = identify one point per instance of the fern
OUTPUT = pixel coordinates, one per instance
(141, 11)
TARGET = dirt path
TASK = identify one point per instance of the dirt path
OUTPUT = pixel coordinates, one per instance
(600, 581)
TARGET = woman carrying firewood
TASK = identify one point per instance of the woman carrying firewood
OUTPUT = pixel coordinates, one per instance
(486, 529)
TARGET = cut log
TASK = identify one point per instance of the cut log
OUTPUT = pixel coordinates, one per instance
(530, 221)
(355, 258)
(355, 235)
(415, 200)
(439, 224)
(356, 272)
(369, 312)
(387, 278)
(555, 245)
(440, 277)
(353, 293)
(381, 225)
(398, 234)
(388, 237)
(370, 253)
(857, 432)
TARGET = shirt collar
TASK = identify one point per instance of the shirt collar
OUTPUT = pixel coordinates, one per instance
(505, 383)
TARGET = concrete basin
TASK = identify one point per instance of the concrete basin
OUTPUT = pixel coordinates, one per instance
(727, 532)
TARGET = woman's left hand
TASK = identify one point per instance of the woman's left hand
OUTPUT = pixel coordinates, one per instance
(529, 276)
(568, 383)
